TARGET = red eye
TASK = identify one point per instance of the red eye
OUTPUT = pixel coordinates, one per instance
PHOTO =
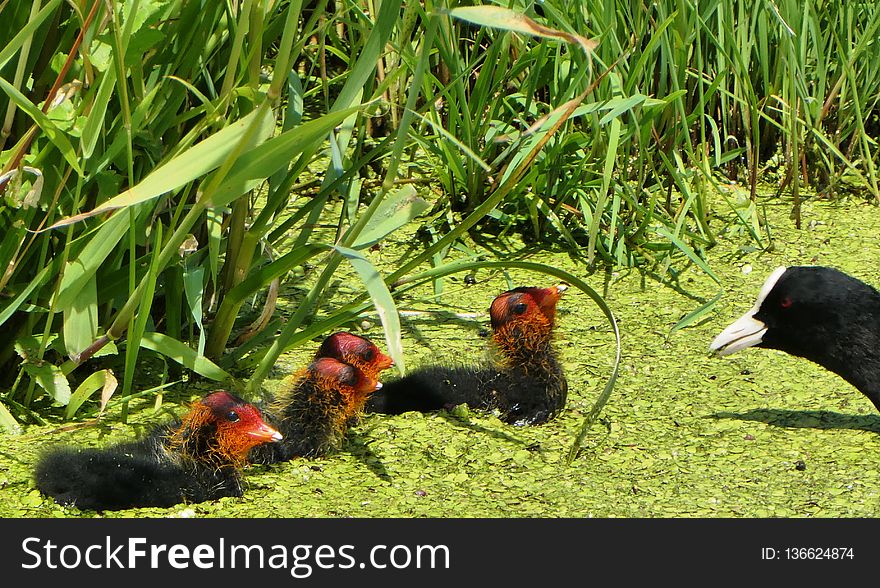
(785, 302)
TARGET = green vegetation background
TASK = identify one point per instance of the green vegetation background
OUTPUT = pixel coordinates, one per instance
(193, 194)
(760, 434)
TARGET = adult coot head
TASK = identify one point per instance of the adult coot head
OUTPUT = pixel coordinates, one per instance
(818, 313)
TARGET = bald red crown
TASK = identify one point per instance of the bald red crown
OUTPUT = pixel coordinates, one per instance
(355, 350)
(526, 304)
(343, 374)
(232, 412)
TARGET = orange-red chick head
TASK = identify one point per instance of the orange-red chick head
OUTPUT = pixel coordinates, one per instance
(354, 385)
(523, 318)
(357, 351)
(222, 428)
(526, 305)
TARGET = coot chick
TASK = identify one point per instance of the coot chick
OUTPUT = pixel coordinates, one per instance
(524, 383)
(356, 351)
(313, 410)
(195, 459)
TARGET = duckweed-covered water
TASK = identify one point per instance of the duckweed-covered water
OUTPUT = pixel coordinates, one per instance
(684, 434)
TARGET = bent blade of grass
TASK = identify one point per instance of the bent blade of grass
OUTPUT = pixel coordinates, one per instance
(184, 355)
(81, 269)
(193, 163)
(682, 246)
(55, 136)
(81, 319)
(95, 121)
(261, 162)
(382, 300)
(27, 30)
(51, 269)
(8, 422)
(51, 379)
(206, 102)
(294, 113)
(340, 137)
(393, 212)
(696, 314)
(508, 20)
(193, 287)
(618, 106)
(97, 381)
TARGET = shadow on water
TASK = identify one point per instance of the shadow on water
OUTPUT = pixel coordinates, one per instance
(411, 324)
(805, 419)
(358, 445)
(466, 423)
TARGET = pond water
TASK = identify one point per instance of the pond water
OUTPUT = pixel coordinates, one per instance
(684, 434)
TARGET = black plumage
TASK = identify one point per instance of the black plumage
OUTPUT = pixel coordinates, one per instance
(818, 313)
(524, 382)
(313, 410)
(194, 459)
